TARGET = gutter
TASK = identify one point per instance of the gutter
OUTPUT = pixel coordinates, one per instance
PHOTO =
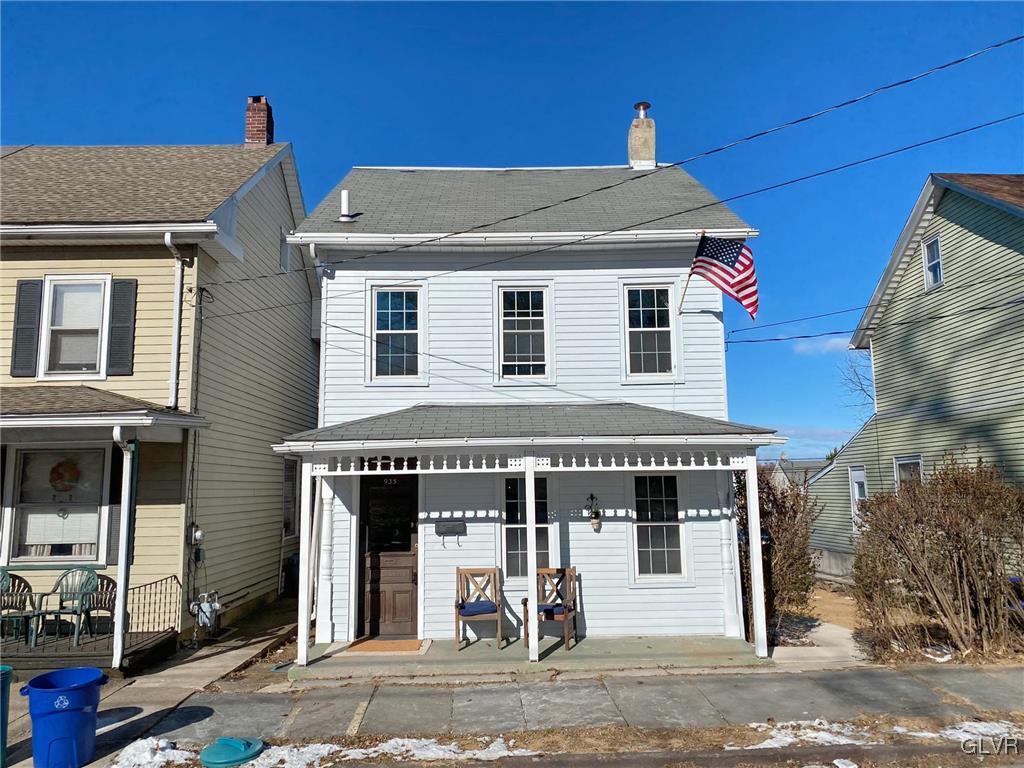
(370, 239)
(122, 419)
(195, 230)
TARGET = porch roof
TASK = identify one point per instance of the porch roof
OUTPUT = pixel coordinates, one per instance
(568, 422)
(77, 405)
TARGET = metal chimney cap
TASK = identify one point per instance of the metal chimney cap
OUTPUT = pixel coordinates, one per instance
(641, 107)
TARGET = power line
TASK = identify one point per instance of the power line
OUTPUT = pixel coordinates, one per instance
(707, 153)
(581, 240)
(850, 331)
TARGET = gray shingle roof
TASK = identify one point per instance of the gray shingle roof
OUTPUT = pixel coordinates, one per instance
(72, 399)
(123, 185)
(421, 200)
(435, 422)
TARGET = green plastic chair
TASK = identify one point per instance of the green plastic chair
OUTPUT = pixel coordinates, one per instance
(75, 589)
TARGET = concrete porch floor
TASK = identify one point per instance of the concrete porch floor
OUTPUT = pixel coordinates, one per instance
(481, 658)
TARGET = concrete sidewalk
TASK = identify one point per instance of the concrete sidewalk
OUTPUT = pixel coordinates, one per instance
(320, 710)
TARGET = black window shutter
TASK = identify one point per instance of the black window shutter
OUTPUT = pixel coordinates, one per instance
(121, 339)
(28, 304)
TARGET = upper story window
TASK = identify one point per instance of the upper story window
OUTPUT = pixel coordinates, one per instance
(932, 264)
(396, 332)
(74, 323)
(909, 469)
(648, 330)
(523, 332)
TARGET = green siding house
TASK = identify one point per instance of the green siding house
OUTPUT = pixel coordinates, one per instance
(945, 330)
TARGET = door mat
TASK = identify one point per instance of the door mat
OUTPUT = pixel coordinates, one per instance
(384, 645)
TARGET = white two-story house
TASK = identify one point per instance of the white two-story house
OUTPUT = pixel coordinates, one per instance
(514, 389)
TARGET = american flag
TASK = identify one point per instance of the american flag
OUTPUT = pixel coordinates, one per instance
(729, 265)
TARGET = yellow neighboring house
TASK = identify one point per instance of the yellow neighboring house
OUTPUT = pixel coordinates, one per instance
(157, 338)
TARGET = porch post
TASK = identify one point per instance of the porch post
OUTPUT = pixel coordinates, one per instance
(756, 563)
(530, 468)
(305, 558)
(324, 624)
(128, 451)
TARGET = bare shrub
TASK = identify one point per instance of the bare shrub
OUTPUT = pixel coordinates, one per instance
(933, 564)
(787, 513)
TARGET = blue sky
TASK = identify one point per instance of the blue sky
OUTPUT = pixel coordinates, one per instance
(553, 84)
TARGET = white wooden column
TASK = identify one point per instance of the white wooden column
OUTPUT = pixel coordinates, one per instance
(756, 563)
(530, 468)
(305, 560)
(129, 449)
(324, 585)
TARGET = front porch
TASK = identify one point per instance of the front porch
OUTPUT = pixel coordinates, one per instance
(481, 660)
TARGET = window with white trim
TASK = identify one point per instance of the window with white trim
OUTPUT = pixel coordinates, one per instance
(909, 469)
(659, 530)
(932, 264)
(396, 332)
(858, 490)
(648, 330)
(523, 333)
(290, 497)
(515, 526)
(74, 326)
(58, 504)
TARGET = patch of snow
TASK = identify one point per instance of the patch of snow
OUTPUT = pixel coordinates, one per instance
(152, 753)
(430, 749)
(842, 762)
(293, 757)
(982, 730)
(938, 653)
(820, 732)
(916, 734)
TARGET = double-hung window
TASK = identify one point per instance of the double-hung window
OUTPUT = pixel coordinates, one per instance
(74, 325)
(932, 264)
(58, 504)
(858, 490)
(658, 528)
(515, 525)
(396, 332)
(648, 330)
(909, 469)
(523, 333)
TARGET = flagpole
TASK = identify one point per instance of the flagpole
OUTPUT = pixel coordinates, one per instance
(689, 274)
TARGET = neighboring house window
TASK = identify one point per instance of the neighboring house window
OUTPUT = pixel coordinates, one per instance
(58, 504)
(515, 525)
(658, 529)
(523, 332)
(909, 469)
(858, 490)
(290, 497)
(648, 330)
(396, 325)
(932, 264)
(74, 326)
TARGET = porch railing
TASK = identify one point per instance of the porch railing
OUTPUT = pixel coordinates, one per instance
(153, 608)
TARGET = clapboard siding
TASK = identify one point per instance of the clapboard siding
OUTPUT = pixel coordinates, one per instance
(460, 329)
(257, 383)
(949, 363)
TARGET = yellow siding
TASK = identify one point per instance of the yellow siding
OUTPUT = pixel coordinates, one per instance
(257, 384)
(153, 267)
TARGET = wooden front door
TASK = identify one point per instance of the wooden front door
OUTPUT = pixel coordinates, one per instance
(387, 514)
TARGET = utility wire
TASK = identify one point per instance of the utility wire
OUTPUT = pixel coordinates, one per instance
(581, 240)
(707, 153)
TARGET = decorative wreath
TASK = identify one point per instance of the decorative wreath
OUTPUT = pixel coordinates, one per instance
(64, 475)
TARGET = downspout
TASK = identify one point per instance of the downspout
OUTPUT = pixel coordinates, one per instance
(179, 281)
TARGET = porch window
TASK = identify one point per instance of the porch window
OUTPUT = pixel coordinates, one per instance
(648, 330)
(396, 325)
(515, 526)
(932, 264)
(59, 501)
(658, 530)
(74, 325)
(909, 469)
(523, 332)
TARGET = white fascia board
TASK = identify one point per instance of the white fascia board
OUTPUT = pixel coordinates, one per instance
(709, 441)
(125, 419)
(371, 239)
(183, 233)
(906, 241)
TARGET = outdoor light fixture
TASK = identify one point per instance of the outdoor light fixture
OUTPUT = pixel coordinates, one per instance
(595, 513)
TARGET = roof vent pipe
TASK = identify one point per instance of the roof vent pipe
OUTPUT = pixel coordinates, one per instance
(346, 211)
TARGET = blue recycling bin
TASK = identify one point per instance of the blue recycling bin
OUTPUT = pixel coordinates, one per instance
(63, 707)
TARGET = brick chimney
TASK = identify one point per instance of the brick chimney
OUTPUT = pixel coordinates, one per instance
(259, 121)
(641, 139)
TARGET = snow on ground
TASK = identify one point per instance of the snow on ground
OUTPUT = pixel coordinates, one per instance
(293, 757)
(968, 731)
(820, 732)
(151, 753)
(430, 749)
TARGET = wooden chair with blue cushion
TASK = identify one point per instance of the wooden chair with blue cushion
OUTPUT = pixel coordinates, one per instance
(75, 590)
(478, 598)
(556, 590)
